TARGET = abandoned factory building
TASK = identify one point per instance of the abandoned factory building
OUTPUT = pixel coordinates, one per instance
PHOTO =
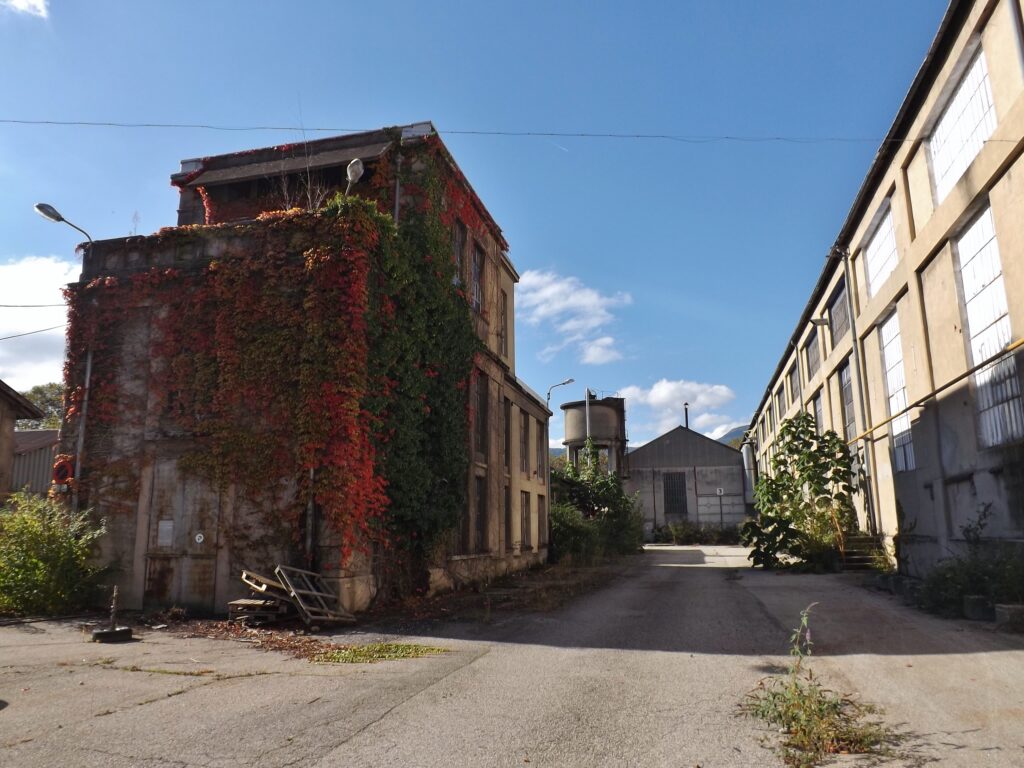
(193, 452)
(908, 345)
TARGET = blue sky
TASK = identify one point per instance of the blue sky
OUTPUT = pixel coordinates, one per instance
(663, 270)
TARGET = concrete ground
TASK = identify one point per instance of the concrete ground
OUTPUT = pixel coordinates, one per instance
(645, 672)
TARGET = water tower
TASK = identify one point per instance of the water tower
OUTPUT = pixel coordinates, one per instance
(607, 430)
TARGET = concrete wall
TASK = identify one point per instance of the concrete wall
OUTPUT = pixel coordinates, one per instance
(954, 476)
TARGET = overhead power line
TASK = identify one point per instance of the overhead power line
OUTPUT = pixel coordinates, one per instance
(28, 306)
(29, 333)
(684, 138)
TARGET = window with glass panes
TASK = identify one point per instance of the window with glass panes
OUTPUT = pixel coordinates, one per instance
(525, 536)
(458, 248)
(838, 314)
(896, 390)
(794, 383)
(846, 401)
(524, 442)
(812, 354)
(997, 386)
(963, 127)
(819, 413)
(880, 254)
(477, 286)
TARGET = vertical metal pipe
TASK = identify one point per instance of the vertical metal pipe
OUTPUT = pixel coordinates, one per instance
(590, 459)
(80, 440)
(869, 507)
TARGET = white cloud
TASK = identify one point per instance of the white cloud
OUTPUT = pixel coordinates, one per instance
(725, 428)
(600, 351)
(39, 357)
(38, 8)
(573, 310)
(655, 410)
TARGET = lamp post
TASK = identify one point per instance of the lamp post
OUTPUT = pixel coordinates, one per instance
(50, 213)
(559, 384)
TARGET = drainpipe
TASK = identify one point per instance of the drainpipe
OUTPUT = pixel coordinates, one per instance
(839, 252)
(80, 441)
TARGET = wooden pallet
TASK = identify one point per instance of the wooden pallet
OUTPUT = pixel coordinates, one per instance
(258, 610)
(310, 595)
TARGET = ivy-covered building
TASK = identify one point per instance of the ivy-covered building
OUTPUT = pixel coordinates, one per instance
(295, 376)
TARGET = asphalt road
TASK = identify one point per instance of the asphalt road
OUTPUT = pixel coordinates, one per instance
(645, 672)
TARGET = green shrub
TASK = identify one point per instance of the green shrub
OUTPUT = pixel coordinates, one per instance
(573, 535)
(44, 556)
(992, 571)
(688, 533)
(598, 496)
(769, 538)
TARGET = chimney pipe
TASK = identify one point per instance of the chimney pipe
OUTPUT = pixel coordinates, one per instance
(686, 415)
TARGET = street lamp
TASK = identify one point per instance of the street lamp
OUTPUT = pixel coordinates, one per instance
(47, 211)
(559, 384)
(50, 213)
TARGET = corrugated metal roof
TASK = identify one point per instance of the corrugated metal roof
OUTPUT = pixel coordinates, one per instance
(33, 439)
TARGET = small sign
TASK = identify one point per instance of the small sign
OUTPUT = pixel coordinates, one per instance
(720, 491)
(200, 538)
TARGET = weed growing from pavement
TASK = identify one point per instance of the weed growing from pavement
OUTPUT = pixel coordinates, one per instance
(816, 722)
(374, 652)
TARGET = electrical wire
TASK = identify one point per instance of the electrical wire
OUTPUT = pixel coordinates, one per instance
(29, 333)
(27, 306)
(686, 139)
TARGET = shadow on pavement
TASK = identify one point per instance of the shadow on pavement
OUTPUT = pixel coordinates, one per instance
(709, 601)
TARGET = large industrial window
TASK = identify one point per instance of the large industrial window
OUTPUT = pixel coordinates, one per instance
(838, 314)
(542, 449)
(780, 400)
(504, 324)
(963, 127)
(896, 390)
(794, 383)
(482, 408)
(477, 285)
(674, 490)
(509, 532)
(812, 353)
(846, 401)
(458, 247)
(524, 521)
(880, 256)
(997, 386)
(819, 413)
(524, 442)
(481, 542)
(508, 434)
(542, 521)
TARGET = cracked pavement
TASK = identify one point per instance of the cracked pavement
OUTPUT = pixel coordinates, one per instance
(647, 671)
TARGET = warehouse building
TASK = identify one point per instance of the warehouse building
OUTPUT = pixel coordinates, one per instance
(909, 343)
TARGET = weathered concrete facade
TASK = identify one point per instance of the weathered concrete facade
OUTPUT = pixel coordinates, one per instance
(683, 476)
(173, 536)
(934, 251)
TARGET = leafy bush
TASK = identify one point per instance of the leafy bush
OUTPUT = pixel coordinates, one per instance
(994, 572)
(44, 555)
(769, 538)
(574, 536)
(598, 497)
(806, 502)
